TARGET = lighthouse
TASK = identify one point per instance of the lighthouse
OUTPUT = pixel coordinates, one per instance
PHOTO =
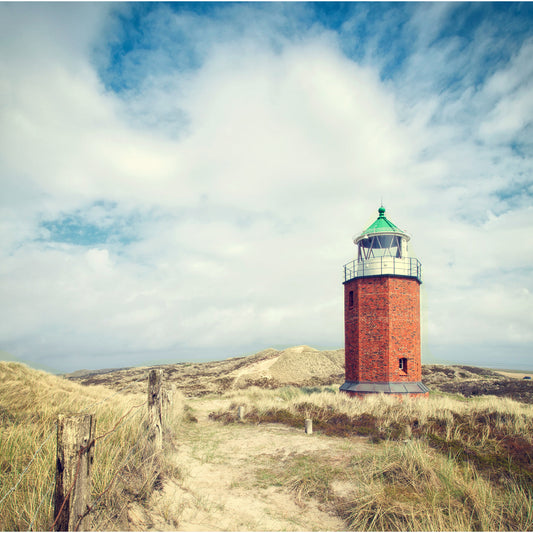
(382, 314)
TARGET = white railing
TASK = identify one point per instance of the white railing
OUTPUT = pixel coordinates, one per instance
(384, 266)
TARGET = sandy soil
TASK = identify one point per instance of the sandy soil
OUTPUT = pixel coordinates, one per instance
(219, 488)
(517, 375)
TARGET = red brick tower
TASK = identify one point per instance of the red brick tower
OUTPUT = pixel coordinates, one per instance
(382, 314)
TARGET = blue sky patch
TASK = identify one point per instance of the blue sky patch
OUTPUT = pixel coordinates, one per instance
(99, 224)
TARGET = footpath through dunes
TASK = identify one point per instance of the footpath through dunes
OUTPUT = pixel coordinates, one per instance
(228, 478)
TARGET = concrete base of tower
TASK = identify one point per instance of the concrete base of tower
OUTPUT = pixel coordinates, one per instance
(359, 388)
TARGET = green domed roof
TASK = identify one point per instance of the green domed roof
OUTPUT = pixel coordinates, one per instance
(381, 225)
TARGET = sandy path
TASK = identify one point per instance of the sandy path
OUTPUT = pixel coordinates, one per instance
(218, 489)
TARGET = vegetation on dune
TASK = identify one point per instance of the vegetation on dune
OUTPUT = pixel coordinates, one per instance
(267, 369)
(300, 366)
(124, 469)
(444, 463)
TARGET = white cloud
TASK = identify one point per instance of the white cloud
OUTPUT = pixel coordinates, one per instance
(511, 89)
(514, 75)
(98, 260)
(239, 209)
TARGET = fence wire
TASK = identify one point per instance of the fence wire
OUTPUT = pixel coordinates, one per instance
(45, 496)
(109, 485)
(28, 465)
(14, 487)
(99, 497)
(83, 450)
(118, 424)
(104, 400)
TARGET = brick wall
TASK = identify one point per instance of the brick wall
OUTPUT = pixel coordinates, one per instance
(382, 325)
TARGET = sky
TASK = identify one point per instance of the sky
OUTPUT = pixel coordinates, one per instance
(182, 181)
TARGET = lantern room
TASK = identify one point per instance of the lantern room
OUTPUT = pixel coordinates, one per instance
(382, 249)
(381, 239)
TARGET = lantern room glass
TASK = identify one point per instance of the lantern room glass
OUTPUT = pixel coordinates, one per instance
(379, 246)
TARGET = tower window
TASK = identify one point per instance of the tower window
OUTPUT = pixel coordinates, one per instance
(403, 364)
(350, 298)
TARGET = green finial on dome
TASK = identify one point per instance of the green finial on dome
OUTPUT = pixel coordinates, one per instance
(382, 225)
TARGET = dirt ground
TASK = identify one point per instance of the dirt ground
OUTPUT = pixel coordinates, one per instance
(218, 489)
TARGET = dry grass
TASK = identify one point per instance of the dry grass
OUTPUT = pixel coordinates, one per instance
(410, 487)
(454, 415)
(30, 402)
(444, 463)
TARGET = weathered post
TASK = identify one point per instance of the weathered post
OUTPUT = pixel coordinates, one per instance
(308, 426)
(168, 396)
(155, 423)
(75, 454)
(241, 412)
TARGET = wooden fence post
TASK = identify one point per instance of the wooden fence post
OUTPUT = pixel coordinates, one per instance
(75, 454)
(155, 423)
(241, 412)
(168, 396)
(308, 426)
